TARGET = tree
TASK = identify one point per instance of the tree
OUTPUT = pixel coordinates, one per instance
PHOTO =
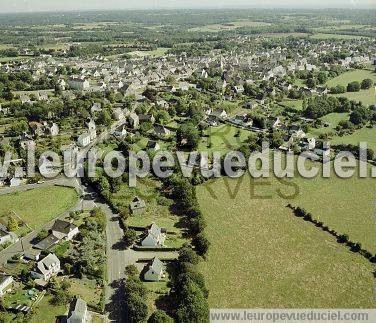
(193, 307)
(186, 254)
(353, 87)
(160, 317)
(311, 83)
(104, 118)
(137, 309)
(131, 270)
(130, 237)
(322, 77)
(360, 115)
(12, 224)
(366, 84)
(202, 244)
(188, 135)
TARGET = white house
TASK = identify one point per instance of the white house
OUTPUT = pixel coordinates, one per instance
(153, 237)
(155, 271)
(48, 267)
(7, 237)
(64, 230)
(92, 128)
(78, 312)
(119, 114)
(84, 140)
(5, 284)
(79, 84)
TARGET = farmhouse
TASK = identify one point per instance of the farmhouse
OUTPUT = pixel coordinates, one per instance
(153, 237)
(84, 140)
(154, 271)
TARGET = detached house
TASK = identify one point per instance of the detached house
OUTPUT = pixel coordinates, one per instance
(154, 237)
(155, 271)
(137, 206)
(48, 267)
(64, 230)
(79, 84)
(84, 140)
(78, 312)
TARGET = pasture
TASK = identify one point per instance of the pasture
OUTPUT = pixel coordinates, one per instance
(261, 255)
(350, 76)
(38, 206)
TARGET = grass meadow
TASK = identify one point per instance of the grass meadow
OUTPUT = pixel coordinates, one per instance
(261, 255)
(38, 206)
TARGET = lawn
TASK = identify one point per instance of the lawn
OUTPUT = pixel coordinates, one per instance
(269, 258)
(38, 206)
(296, 104)
(365, 135)
(45, 312)
(223, 139)
(332, 119)
(367, 97)
(350, 76)
(86, 289)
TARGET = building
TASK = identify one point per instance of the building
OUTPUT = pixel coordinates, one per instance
(64, 230)
(78, 312)
(46, 268)
(137, 206)
(5, 284)
(84, 140)
(154, 236)
(79, 84)
(6, 237)
(155, 271)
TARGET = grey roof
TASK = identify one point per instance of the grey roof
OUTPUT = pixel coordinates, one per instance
(156, 265)
(77, 311)
(47, 242)
(3, 233)
(137, 203)
(47, 262)
(63, 226)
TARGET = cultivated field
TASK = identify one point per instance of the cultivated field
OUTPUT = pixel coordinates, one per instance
(38, 206)
(263, 256)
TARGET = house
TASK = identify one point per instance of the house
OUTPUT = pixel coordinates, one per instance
(155, 271)
(154, 237)
(7, 237)
(146, 118)
(219, 114)
(78, 84)
(97, 107)
(137, 206)
(25, 98)
(119, 114)
(78, 312)
(64, 230)
(32, 254)
(5, 284)
(84, 140)
(36, 128)
(153, 145)
(161, 131)
(92, 128)
(120, 131)
(53, 129)
(46, 268)
(15, 181)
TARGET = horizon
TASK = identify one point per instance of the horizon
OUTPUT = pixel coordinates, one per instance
(40, 6)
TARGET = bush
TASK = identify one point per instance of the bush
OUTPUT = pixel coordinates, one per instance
(201, 243)
(160, 317)
(366, 84)
(353, 87)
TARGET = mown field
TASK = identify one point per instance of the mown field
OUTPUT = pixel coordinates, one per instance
(367, 135)
(350, 76)
(38, 206)
(263, 256)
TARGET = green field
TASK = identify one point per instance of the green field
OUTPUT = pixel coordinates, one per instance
(365, 135)
(261, 255)
(296, 104)
(45, 312)
(223, 139)
(332, 119)
(367, 97)
(38, 206)
(335, 36)
(350, 76)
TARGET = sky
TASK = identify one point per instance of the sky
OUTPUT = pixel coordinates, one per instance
(68, 5)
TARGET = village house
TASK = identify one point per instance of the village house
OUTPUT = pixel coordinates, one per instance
(137, 206)
(154, 271)
(119, 114)
(7, 237)
(154, 237)
(161, 131)
(79, 84)
(6, 283)
(78, 312)
(120, 131)
(46, 268)
(64, 230)
(84, 140)
(134, 120)
(92, 129)
(153, 145)
(219, 114)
